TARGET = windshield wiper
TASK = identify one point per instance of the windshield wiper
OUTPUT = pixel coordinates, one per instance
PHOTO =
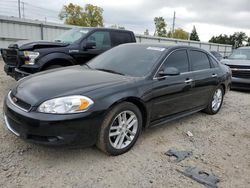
(111, 71)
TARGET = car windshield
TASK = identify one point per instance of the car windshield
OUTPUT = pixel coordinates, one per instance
(132, 60)
(240, 54)
(72, 35)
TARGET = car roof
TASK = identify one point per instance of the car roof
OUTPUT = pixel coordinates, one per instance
(169, 47)
(244, 48)
(103, 28)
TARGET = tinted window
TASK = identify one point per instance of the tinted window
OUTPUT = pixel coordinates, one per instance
(120, 38)
(72, 35)
(133, 60)
(179, 60)
(199, 60)
(214, 62)
(101, 38)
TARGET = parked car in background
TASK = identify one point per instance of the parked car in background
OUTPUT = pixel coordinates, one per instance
(109, 100)
(76, 46)
(239, 62)
(217, 55)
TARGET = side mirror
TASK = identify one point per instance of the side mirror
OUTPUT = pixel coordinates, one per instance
(89, 45)
(169, 71)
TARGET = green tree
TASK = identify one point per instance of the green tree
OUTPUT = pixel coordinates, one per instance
(146, 32)
(221, 39)
(237, 39)
(194, 35)
(88, 16)
(160, 27)
(180, 34)
(248, 42)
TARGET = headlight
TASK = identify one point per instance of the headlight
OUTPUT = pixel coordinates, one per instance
(30, 57)
(66, 105)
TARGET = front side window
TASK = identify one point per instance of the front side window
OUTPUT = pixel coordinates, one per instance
(101, 38)
(72, 35)
(199, 60)
(179, 60)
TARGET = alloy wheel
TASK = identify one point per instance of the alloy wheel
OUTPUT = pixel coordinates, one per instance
(217, 99)
(123, 129)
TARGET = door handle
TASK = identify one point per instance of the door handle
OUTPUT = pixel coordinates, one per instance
(214, 75)
(188, 81)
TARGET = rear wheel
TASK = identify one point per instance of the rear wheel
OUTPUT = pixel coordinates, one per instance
(216, 101)
(120, 129)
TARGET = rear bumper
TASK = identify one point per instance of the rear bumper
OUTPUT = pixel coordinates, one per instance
(240, 83)
(51, 129)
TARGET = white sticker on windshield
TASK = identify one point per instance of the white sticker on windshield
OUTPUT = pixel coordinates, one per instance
(84, 31)
(156, 48)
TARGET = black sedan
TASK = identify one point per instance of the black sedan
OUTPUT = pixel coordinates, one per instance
(109, 100)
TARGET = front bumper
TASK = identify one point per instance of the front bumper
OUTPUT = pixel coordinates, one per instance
(240, 83)
(14, 72)
(50, 129)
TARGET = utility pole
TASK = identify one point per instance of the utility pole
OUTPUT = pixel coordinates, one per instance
(173, 25)
(19, 8)
(23, 8)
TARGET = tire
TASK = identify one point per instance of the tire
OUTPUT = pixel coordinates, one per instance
(211, 108)
(52, 67)
(108, 143)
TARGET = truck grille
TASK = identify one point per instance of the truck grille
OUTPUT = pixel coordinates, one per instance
(240, 71)
(10, 56)
(19, 103)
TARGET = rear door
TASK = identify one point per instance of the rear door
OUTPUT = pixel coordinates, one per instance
(205, 76)
(173, 94)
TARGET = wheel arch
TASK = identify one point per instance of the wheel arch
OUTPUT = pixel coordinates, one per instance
(139, 104)
(56, 59)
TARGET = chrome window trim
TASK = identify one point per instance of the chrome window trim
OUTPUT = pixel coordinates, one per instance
(14, 104)
(239, 69)
(9, 127)
(155, 77)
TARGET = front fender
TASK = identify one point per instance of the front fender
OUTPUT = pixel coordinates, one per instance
(55, 56)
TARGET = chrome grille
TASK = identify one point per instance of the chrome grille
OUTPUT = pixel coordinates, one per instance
(18, 102)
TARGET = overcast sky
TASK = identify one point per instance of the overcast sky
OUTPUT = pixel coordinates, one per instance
(211, 17)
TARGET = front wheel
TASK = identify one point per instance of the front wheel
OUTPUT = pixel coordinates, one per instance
(216, 101)
(120, 129)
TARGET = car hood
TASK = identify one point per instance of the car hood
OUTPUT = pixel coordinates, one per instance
(236, 62)
(75, 80)
(31, 45)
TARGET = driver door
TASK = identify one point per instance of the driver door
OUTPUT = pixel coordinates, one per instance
(173, 94)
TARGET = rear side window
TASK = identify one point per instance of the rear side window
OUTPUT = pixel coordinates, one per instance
(199, 60)
(120, 38)
(179, 60)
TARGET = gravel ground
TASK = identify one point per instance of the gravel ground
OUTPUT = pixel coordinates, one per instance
(220, 144)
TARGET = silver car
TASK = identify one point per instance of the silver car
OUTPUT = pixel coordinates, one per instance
(239, 62)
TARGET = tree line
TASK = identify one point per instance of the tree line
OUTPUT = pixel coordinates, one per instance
(92, 16)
